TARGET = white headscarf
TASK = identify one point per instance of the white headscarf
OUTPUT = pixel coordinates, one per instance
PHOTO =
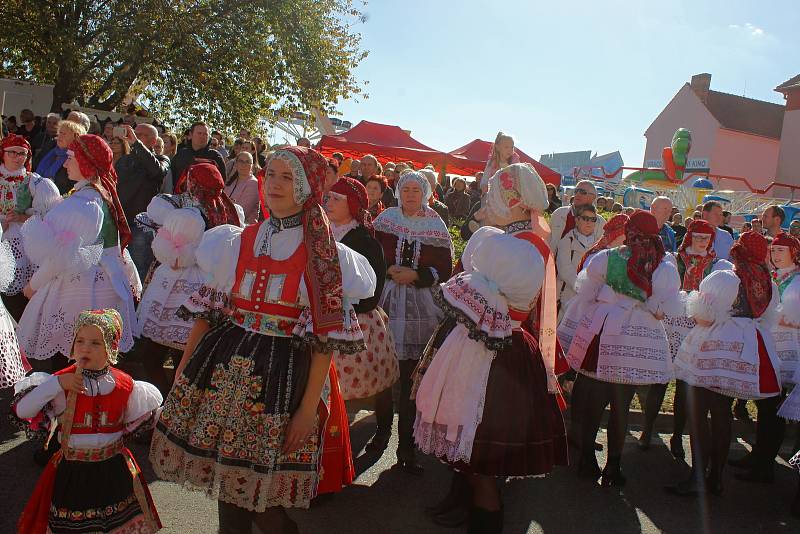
(516, 185)
(423, 182)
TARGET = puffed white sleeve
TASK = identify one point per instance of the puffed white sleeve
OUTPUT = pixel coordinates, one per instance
(34, 392)
(789, 309)
(722, 265)
(358, 277)
(176, 242)
(593, 276)
(142, 405)
(713, 301)
(157, 211)
(217, 256)
(72, 228)
(666, 297)
(45, 196)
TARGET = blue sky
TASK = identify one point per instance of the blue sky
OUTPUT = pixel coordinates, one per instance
(562, 75)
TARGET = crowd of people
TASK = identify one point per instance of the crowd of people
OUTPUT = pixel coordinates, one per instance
(282, 284)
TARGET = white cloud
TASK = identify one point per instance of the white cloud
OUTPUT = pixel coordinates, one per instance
(748, 28)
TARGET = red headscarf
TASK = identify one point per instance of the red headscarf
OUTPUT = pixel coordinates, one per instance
(357, 201)
(17, 140)
(647, 249)
(95, 158)
(614, 228)
(695, 264)
(749, 256)
(204, 182)
(323, 274)
(786, 240)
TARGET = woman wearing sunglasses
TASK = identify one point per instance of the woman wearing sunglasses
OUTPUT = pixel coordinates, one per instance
(564, 219)
(571, 249)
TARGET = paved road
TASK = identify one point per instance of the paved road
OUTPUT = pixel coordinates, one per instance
(386, 501)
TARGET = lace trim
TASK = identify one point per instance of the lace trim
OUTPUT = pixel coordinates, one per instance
(475, 333)
(330, 345)
(431, 438)
(517, 226)
(93, 374)
(292, 221)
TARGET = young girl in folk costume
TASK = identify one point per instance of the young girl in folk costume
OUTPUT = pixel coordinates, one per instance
(620, 342)
(12, 365)
(22, 194)
(67, 280)
(483, 405)
(371, 372)
(244, 419)
(771, 428)
(503, 155)
(613, 237)
(728, 354)
(93, 483)
(180, 221)
(695, 260)
(418, 250)
(786, 257)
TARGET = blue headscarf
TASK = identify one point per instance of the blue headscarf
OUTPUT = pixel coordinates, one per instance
(51, 162)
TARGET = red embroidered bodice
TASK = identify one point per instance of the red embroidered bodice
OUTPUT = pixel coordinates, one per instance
(266, 294)
(102, 414)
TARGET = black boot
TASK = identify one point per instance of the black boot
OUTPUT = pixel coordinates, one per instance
(645, 439)
(676, 446)
(745, 462)
(612, 474)
(458, 496)
(587, 466)
(407, 461)
(482, 521)
(758, 473)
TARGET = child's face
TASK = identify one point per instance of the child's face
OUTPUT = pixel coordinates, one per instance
(89, 350)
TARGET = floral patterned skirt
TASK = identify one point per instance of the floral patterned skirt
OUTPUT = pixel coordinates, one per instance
(223, 423)
(371, 371)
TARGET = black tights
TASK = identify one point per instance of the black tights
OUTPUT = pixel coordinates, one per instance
(711, 442)
(654, 400)
(236, 520)
(407, 411)
(770, 431)
(595, 397)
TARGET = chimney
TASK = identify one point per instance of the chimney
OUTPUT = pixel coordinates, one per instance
(701, 84)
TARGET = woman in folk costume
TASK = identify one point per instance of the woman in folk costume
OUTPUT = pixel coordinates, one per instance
(179, 221)
(244, 420)
(92, 484)
(372, 372)
(418, 250)
(728, 354)
(22, 194)
(70, 279)
(613, 236)
(12, 365)
(695, 260)
(620, 343)
(484, 405)
(771, 428)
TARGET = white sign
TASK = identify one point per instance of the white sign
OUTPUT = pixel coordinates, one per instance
(691, 165)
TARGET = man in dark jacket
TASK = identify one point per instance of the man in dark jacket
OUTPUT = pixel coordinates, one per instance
(141, 174)
(198, 149)
(46, 139)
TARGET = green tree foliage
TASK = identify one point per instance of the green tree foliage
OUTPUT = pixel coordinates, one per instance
(227, 61)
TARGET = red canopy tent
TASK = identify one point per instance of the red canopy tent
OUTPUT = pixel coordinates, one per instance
(472, 157)
(385, 142)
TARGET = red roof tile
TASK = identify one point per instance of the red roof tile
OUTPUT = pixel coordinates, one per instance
(788, 84)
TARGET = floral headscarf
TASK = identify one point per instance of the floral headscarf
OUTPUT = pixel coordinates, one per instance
(749, 256)
(694, 264)
(647, 249)
(323, 272)
(516, 185)
(95, 158)
(786, 240)
(17, 140)
(205, 183)
(614, 228)
(357, 201)
(109, 322)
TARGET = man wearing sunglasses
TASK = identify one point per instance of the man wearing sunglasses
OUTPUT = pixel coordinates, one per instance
(661, 208)
(564, 218)
(570, 252)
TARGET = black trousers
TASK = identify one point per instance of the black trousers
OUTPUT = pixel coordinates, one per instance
(153, 355)
(711, 441)
(384, 412)
(770, 431)
(407, 411)
(596, 395)
(655, 398)
(233, 519)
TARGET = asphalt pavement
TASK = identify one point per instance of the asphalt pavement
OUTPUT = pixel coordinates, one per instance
(388, 501)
